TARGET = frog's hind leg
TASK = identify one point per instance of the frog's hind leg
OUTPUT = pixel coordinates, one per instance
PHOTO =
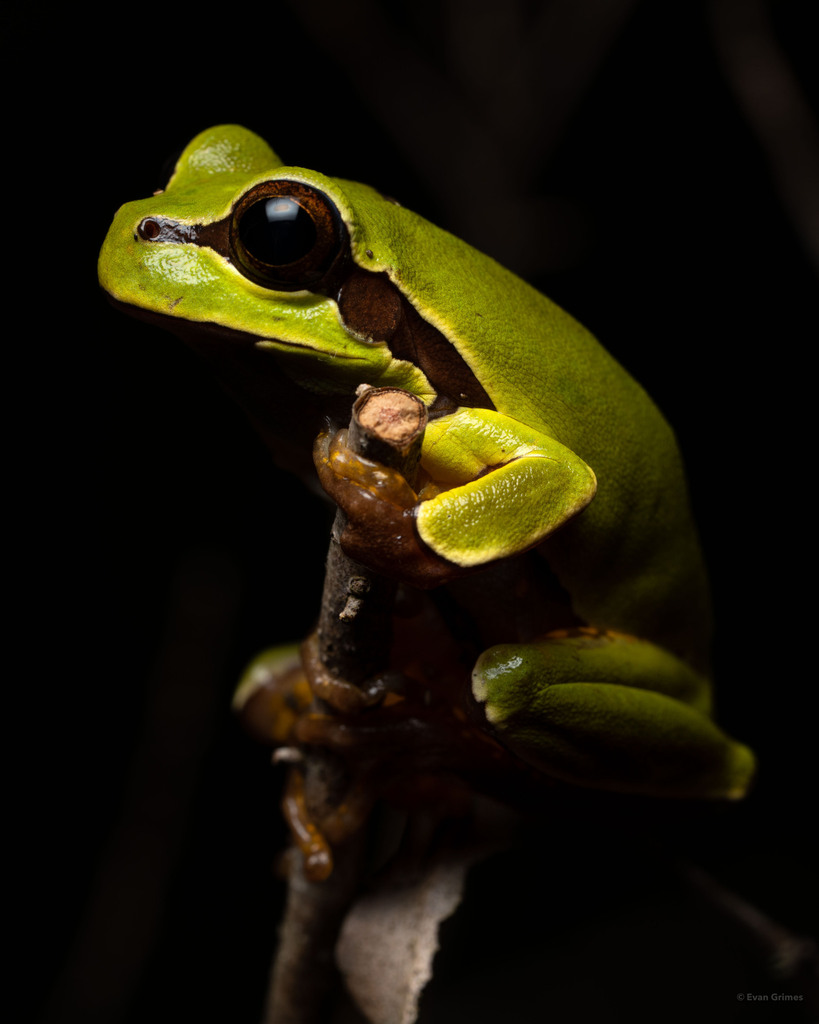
(607, 710)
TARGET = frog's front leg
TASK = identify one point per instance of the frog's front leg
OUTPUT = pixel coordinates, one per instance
(496, 488)
(603, 709)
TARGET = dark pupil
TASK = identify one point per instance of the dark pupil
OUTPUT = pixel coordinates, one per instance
(277, 231)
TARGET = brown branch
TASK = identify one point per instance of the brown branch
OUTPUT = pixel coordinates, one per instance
(356, 609)
(351, 645)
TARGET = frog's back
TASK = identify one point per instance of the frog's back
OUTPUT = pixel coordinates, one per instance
(631, 560)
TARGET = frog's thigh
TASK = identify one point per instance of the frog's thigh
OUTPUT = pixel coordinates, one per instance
(609, 711)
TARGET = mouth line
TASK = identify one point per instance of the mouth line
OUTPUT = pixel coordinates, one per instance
(183, 327)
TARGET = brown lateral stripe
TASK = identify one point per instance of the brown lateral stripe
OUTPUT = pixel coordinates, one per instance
(372, 306)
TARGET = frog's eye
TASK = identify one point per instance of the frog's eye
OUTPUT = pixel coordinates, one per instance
(285, 235)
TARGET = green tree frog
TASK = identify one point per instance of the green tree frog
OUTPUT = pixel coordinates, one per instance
(553, 519)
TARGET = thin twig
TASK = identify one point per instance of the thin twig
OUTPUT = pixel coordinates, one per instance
(353, 639)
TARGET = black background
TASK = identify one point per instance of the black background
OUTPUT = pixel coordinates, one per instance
(600, 150)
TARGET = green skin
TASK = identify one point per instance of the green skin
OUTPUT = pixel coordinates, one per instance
(574, 462)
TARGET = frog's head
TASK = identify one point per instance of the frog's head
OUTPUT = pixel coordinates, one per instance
(240, 252)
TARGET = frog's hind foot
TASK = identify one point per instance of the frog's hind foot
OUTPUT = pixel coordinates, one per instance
(272, 694)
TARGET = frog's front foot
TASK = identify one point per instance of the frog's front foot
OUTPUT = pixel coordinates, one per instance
(380, 507)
